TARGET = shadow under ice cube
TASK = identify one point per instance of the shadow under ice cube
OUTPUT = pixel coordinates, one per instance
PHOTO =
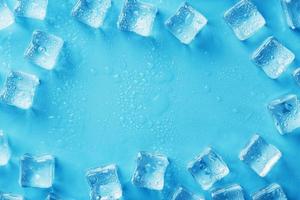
(150, 171)
(6, 16)
(244, 19)
(19, 89)
(37, 171)
(291, 9)
(271, 192)
(208, 168)
(183, 194)
(35, 9)
(7, 196)
(232, 192)
(5, 152)
(137, 17)
(260, 155)
(186, 23)
(104, 183)
(273, 57)
(44, 49)
(91, 12)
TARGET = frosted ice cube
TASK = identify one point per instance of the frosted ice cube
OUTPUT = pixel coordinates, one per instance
(44, 49)
(6, 16)
(260, 155)
(273, 57)
(183, 194)
(232, 192)
(150, 170)
(296, 75)
(271, 192)
(37, 171)
(7, 196)
(35, 9)
(208, 168)
(91, 12)
(291, 9)
(104, 183)
(19, 89)
(137, 17)
(186, 23)
(5, 152)
(285, 112)
(244, 19)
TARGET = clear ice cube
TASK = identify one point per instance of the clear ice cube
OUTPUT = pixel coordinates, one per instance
(285, 112)
(260, 155)
(137, 17)
(5, 152)
(91, 12)
(232, 192)
(44, 49)
(8, 196)
(296, 75)
(150, 170)
(37, 171)
(244, 19)
(271, 192)
(19, 89)
(208, 168)
(35, 9)
(183, 194)
(6, 16)
(186, 23)
(291, 10)
(273, 57)
(104, 183)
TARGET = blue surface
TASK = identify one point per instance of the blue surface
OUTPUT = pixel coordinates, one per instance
(115, 93)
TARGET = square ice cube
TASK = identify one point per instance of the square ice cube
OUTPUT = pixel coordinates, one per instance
(7, 196)
(260, 155)
(273, 57)
(6, 16)
(37, 171)
(137, 17)
(104, 183)
(19, 89)
(244, 19)
(5, 152)
(285, 112)
(296, 75)
(208, 168)
(291, 10)
(150, 170)
(183, 194)
(186, 23)
(35, 9)
(91, 12)
(44, 49)
(232, 192)
(271, 192)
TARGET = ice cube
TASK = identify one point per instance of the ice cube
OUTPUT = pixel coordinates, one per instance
(19, 89)
(5, 153)
(6, 16)
(52, 196)
(296, 75)
(35, 9)
(285, 112)
(244, 19)
(273, 57)
(137, 17)
(91, 12)
(44, 49)
(260, 155)
(186, 23)
(8, 196)
(291, 9)
(208, 168)
(150, 170)
(37, 171)
(183, 194)
(232, 192)
(104, 183)
(271, 192)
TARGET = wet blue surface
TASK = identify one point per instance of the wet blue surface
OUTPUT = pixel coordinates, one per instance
(114, 93)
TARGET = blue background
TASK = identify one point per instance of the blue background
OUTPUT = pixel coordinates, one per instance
(115, 93)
